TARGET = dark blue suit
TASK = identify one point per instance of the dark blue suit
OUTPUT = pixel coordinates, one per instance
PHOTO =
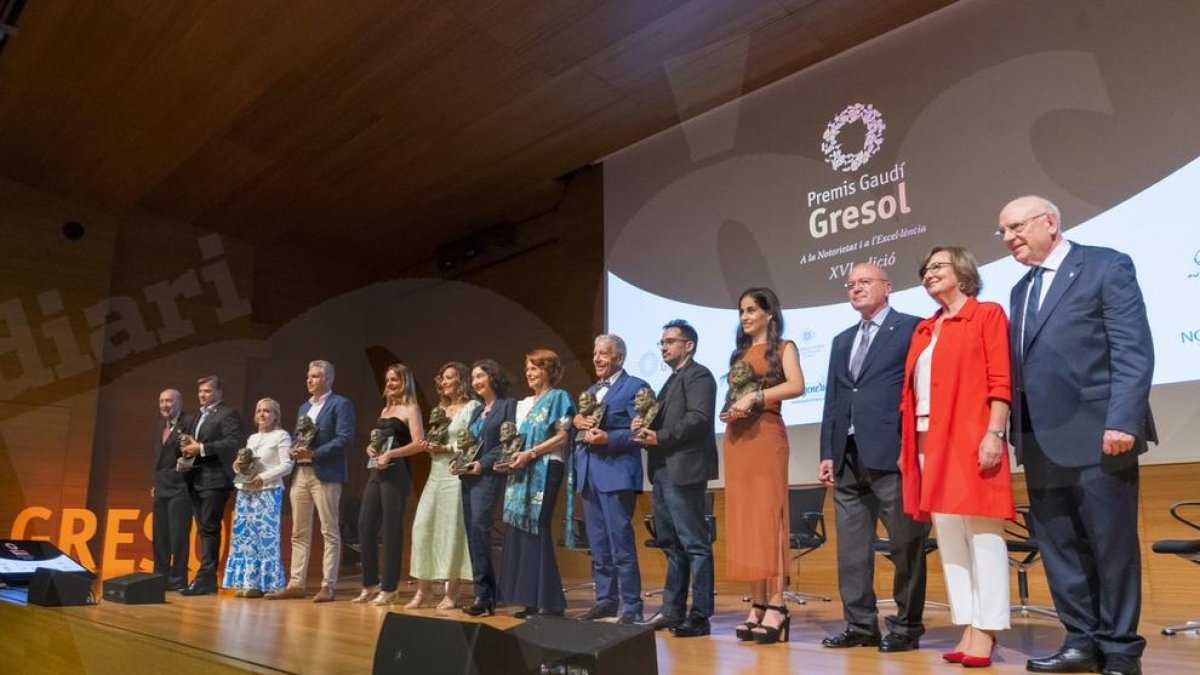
(867, 479)
(481, 495)
(609, 476)
(1087, 367)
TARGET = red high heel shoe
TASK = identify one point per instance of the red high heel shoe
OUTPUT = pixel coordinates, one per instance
(969, 661)
(952, 657)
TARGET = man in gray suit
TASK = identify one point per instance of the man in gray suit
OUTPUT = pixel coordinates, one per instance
(860, 444)
(682, 458)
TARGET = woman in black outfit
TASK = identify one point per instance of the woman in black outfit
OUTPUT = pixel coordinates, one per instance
(482, 486)
(387, 487)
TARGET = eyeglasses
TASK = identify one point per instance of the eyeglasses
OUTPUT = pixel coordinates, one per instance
(666, 342)
(1017, 228)
(933, 267)
(850, 285)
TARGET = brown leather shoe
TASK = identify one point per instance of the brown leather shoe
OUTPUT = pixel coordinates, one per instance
(324, 595)
(285, 593)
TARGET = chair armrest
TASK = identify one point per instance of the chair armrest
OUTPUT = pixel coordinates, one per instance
(816, 522)
(1176, 507)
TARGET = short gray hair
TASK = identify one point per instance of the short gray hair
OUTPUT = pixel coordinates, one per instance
(615, 340)
(326, 367)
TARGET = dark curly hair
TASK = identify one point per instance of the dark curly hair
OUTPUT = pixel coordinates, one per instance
(498, 378)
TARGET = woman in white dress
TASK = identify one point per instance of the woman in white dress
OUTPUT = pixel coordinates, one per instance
(439, 549)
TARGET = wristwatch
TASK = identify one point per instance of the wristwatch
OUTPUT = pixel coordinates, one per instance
(998, 433)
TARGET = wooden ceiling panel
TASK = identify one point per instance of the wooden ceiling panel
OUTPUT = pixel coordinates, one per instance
(345, 122)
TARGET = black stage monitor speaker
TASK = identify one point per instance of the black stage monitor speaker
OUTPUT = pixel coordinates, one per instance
(424, 646)
(139, 588)
(54, 588)
(555, 646)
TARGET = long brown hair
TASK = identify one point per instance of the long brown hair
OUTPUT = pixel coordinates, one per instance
(464, 376)
(768, 302)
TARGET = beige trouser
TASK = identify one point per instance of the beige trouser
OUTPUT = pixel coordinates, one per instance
(307, 491)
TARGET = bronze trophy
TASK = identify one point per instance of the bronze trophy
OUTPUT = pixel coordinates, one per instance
(511, 443)
(466, 450)
(589, 407)
(646, 406)
(438, 432)
(185, 464)
(380, 442)
(306, 433)
(245, 466)
(741, 382)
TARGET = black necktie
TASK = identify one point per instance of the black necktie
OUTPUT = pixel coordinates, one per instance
(1031, 306)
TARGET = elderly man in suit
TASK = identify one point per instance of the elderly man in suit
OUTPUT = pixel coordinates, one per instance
(608, 475)
(317, 482)
(681, 451)
(1083, 359)
(860, 446)
(217, 435)
(172, 505)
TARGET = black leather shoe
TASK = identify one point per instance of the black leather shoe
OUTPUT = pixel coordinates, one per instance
(898, 642)
(200, 588)
(1065, 660)
(851, 638)
(525, 613)
(660, 621)
(1119, 664)
(693, 626)
(480, 606)
(599, 612)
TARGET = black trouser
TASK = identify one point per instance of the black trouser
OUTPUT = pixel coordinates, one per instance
(382, 512)
(208, 506)
(861, 497)
(172, 536)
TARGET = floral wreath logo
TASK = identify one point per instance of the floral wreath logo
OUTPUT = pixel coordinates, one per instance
(832, 149)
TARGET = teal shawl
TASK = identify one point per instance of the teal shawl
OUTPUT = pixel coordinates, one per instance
(524, 492)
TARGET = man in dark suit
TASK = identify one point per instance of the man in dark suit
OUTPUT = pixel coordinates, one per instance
(681, 451)
(216, 437)
(317, 483)
(608, 475)
(172, 505)
(1083, 359)
(860, 446)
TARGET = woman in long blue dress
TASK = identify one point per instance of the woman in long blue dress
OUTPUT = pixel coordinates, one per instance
(254, 566)
(530, 576)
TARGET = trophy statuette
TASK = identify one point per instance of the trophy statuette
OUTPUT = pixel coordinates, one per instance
(741, 382)
(466, 450)
(589, 407)
(511, 443)
(438, 432)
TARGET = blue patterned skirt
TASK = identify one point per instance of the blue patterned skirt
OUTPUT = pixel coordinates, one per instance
(254, 554)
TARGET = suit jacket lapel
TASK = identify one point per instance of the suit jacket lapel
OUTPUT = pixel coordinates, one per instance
(1063, 278)
(882, 336)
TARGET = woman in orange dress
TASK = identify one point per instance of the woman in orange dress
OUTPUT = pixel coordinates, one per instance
(756, 465)
(953, 456)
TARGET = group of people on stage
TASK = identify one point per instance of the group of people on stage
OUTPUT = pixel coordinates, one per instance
(917, 421)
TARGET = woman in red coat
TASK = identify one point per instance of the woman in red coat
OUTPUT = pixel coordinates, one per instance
(953, 458)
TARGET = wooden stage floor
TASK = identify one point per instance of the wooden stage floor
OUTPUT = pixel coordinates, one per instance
(219, 634)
